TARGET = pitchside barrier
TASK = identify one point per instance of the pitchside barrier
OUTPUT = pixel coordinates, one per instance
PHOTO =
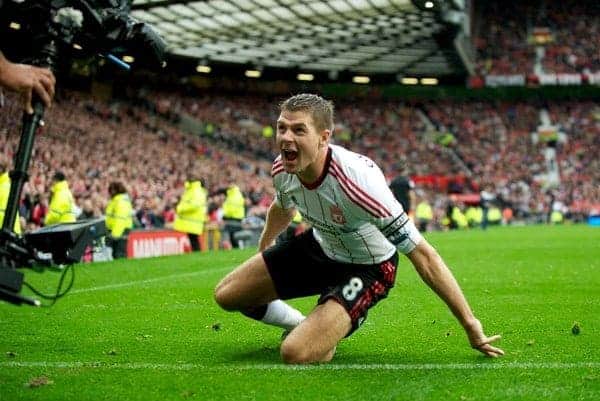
(162, 242)
(150, 243)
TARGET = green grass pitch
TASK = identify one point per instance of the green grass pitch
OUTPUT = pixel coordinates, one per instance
(150, 330)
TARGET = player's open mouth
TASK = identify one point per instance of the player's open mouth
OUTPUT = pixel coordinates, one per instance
(289, 155)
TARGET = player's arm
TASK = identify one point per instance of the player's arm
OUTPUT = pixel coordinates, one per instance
(401, 231)
(277, 220)
(438, 276)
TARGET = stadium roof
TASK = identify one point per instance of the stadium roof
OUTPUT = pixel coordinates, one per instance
(359, 36)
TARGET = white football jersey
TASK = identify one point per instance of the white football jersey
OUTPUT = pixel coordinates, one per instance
(354, 215)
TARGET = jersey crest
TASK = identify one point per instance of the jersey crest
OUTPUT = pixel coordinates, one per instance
(337, 215)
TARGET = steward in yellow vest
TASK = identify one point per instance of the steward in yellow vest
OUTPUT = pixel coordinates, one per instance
(556, 217)
(234, 206)
(474, 215)
(423, 214)
(62, 205)
(119, 219)
(494, 215)
(459, 217)
(190, 213)
(454, 218)
(234, 211)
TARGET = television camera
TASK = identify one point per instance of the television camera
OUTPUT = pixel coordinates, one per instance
(54, 28)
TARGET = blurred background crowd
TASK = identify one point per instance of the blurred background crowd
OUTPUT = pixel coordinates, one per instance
(142, 144)
(506, 37)
(461, 155)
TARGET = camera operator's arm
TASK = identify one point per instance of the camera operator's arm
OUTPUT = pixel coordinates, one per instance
(26, 79)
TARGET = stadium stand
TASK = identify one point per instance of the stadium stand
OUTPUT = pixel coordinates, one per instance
(95, 141)
(508, 33)
(149, 137)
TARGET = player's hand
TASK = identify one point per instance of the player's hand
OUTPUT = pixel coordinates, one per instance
(27, 79)
(480, 341)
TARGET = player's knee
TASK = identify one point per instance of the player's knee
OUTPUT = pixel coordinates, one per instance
(294, 352)
(224, 296)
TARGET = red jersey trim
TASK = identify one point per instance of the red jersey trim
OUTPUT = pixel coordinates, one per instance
(360, 197)
(274, 172)
(277, 167)
(353, 196)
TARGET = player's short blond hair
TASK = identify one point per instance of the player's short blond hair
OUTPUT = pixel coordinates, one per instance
(321, 110)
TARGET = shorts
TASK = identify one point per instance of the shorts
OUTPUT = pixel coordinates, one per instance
(300, 268)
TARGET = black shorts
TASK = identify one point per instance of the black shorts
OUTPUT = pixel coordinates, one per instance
(300, 268)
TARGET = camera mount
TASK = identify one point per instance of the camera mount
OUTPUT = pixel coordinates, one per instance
(55, 26)
(49, 246)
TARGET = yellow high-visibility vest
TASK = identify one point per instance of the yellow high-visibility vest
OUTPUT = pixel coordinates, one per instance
(190, 212)
(459, 217)
(62, 205)
(494, 215)
(474, 215)
(556, 217)
(4, 194)
(424, 211)
(234, 206)
(119, 215)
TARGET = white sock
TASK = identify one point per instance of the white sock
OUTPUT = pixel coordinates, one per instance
(282, 315)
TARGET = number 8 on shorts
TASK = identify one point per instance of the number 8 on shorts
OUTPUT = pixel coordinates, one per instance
(351, 290)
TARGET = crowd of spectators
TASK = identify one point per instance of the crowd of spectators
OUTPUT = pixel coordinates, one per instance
(575, 28)
(94, 142)
(389, 132)
(142, 144)
(501, 38)
(495, 140)
(505, 40)
(578, 157)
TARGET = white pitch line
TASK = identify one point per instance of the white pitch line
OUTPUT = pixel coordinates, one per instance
(322, 367)
(151, 280)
